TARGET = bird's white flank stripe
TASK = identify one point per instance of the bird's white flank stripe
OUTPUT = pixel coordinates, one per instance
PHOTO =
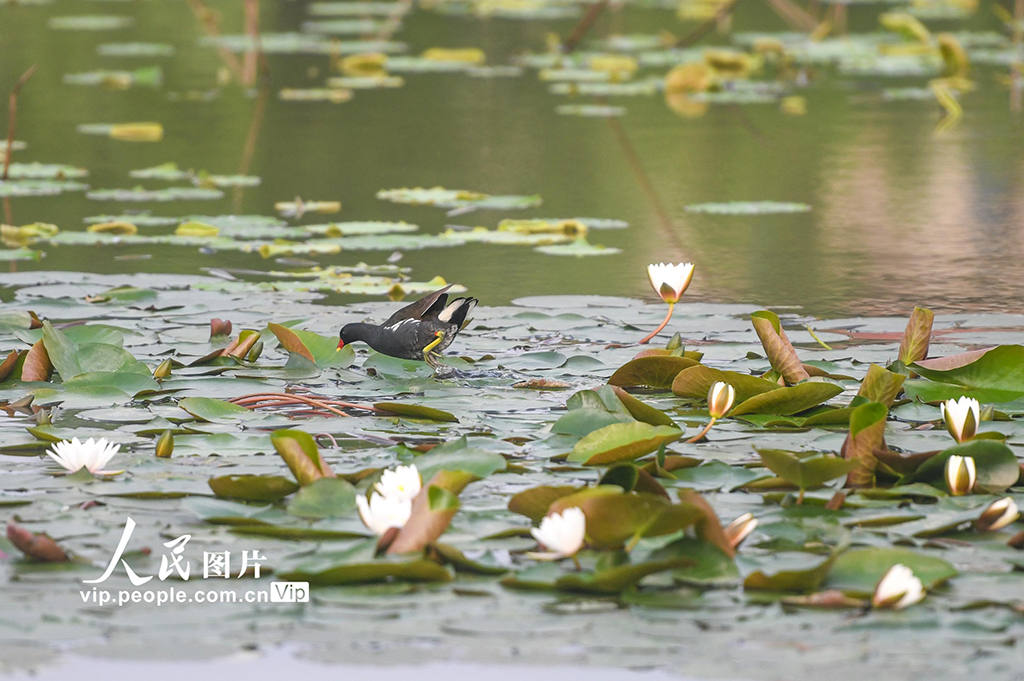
(397, 325)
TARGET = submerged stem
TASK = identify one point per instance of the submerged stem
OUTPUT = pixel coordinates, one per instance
(664, 323)
(12, 116)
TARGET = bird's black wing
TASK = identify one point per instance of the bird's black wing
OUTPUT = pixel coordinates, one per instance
(422, 307)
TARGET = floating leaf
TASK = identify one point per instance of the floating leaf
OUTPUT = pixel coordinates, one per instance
(211, 409)
(358, 565)
(857, 571)
(622, 442)
(253, 487)
(658, 371)
(318, 349)
(993, 375)
(534, 502)
(324, 498)
(789, 400)
(696, 381)
(457, 455)
(806, 470)
(748, 208)
(416, 411)
(996, 464)
(785, 570)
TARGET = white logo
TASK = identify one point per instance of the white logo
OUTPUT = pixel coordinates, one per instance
(289, 592)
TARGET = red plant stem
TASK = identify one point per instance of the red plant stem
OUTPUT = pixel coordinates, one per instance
(794, 15)
(703, 432)
(586, 22)
(671, 307)
(1015, 73)
(12, 117)
(327, 435)
(298, 398)
(252, 29)
(208, 20)
(706, 27)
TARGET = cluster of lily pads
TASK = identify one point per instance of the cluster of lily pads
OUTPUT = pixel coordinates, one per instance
(629, 505)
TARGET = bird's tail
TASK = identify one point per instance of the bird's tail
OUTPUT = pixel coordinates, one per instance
(456, 311)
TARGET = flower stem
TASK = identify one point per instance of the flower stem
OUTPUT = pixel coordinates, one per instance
(702, 433)
(576, 561)
(671, 307)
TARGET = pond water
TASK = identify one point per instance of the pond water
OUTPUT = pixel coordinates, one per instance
(836, 185)
(900, 214)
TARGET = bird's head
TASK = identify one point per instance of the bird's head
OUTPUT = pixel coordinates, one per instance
(346, 336)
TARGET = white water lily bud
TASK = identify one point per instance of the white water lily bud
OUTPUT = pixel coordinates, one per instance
(962, 417)
(737, 530)
(402, 483)
(670, 281)
(91, 455)
(561, 533)
(961, 473)
(380, 513)
(898, 589)
(720, 399)
(998, 515)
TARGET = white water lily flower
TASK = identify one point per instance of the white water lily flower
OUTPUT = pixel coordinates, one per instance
(670, 281)
(961, 472)
(92, 455)
(898, 589)
(402, 483)
(998, 515)
(962, 417)
(720, 399)
(737, 530)
(561, 533)
(380, 513)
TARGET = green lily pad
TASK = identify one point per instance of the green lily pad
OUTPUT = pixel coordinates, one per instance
(324, 498)
(857, 571)
(997, 466)
(253, 487)
(622, 442)
(806, 470)
(657, 371)
(788, 400)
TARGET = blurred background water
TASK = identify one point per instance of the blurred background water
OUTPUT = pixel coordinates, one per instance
(901, 214)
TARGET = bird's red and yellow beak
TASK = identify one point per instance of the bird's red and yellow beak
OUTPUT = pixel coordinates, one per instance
(341, 344)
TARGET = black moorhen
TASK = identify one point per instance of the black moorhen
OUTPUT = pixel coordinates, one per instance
(417, 331)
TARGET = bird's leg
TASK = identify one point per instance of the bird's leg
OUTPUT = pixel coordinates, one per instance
(428, 357)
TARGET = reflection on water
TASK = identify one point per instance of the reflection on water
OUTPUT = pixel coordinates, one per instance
(902, 215)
